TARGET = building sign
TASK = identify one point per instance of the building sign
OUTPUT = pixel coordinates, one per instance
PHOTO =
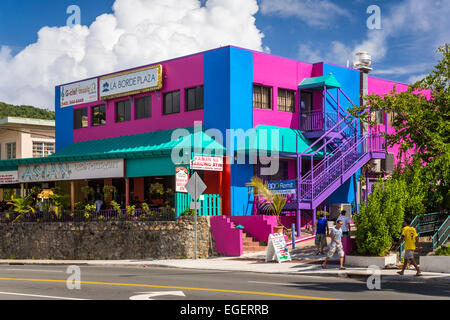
(131, 82)
(9, 177)
(181, 178)
(98, 169)
(282, 187)
(78, 93)
(207, 163)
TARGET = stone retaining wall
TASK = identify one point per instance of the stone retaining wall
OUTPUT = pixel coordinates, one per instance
(106, 240)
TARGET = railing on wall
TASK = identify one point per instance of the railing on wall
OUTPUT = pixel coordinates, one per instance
(154, 214)
(210, 205)
(427, 223)
(442, 234)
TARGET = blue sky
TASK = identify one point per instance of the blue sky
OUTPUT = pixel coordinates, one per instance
(312, 31)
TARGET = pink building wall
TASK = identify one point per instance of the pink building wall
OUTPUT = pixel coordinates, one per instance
(228, 239)
(178, 74)
(278, 72)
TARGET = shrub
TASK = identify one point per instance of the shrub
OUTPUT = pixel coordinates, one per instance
(380, 220)
(188, 212)
(442, 251)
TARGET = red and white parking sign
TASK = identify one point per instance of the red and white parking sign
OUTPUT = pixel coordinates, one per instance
(207, 163)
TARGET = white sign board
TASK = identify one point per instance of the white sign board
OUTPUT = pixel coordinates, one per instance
(9, 177)
(131, 82)
(277, 249)
(207, 163)
(97, 169)
(181, 178)
(79, 93)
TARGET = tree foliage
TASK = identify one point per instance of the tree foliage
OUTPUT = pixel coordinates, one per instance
(380, 220)
(422, 129)
(9, 110)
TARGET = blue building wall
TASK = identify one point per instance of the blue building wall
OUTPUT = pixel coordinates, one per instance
(228, 81)
(63, 123)
(350, 84)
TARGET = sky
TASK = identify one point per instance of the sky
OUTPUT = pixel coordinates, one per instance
(41, 44)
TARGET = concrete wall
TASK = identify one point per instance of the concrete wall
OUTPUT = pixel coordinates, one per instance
(106, 240)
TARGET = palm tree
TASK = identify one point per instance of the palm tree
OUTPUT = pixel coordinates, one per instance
(22, 206)
(272, 201)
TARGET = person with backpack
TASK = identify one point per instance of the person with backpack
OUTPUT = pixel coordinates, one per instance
(322, 231)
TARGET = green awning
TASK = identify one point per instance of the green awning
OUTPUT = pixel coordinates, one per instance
(152, 144)
(328, 81)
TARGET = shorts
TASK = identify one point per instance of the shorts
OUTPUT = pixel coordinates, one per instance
(321, 240)
(409, 254)
(333, 250)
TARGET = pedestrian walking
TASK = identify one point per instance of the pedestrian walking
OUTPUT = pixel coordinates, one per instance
(409, 234)
(322, 231)
(336, 244)
(345, 223)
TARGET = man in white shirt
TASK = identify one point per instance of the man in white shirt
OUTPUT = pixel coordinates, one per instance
(345, 223)
(336, 244)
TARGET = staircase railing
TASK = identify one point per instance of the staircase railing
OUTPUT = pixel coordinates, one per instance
(313, 185)
(441, 236)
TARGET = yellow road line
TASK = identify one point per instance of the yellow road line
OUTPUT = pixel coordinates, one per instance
(174, 287)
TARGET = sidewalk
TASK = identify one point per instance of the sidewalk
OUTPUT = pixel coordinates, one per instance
(303, 262)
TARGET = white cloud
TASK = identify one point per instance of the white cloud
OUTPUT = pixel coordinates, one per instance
(138, 32)
(415, 78)
(416, 27)
(315, 13)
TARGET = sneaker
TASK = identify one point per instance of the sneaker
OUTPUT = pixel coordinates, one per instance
(342, 268)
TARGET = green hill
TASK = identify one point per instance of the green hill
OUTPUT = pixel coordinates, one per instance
(9, 110)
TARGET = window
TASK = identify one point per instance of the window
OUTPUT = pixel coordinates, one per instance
(11, 150)
(98, 115)
(172, 102)
(143, 107)
(306, 101)
(194, 98)
(286, 100)
(123, 111)
(378, 116)
(281, 174)
(391, 117)
(80, 118)
(43, 149)
(262, 97)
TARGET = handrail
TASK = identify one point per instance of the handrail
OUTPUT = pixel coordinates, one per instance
(322, 137)
(446, 225)
(345, 146)
(416, 224)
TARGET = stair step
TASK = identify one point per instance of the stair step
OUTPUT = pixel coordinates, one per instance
(246, 249)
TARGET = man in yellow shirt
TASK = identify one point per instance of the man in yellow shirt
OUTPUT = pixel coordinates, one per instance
(409, 234)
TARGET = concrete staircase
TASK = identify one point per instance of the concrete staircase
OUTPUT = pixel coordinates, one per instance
(250, 245)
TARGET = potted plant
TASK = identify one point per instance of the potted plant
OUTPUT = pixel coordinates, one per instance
(271, 201)
(157, 192)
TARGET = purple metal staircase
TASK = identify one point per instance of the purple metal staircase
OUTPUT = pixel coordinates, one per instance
(337, 154)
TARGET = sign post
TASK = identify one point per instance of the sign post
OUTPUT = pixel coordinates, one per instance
(195, 187)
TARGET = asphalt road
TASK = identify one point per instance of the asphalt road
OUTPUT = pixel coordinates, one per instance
(20, 282)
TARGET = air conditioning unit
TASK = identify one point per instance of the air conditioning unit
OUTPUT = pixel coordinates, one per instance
(387, 165)
(375, 165)
(336, 208)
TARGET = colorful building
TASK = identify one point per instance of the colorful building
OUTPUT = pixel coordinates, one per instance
(23, 138)
(118, 129)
